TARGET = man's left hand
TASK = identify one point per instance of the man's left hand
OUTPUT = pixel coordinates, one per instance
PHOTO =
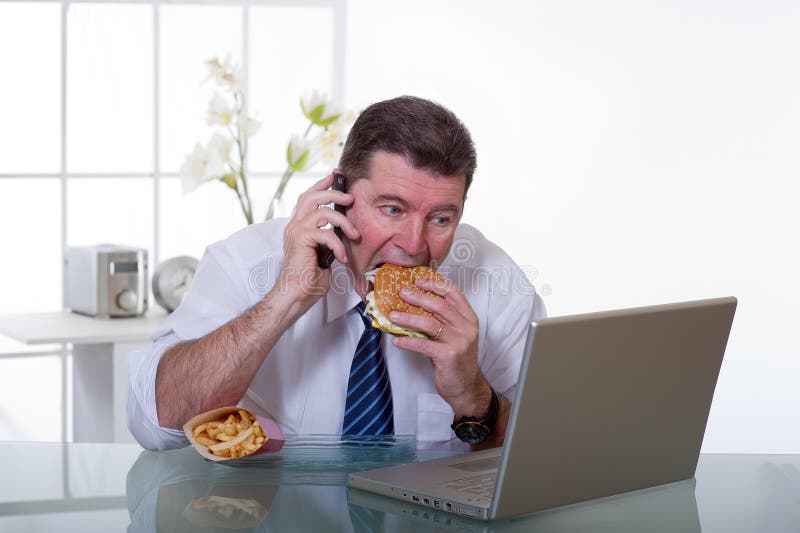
(452, 346)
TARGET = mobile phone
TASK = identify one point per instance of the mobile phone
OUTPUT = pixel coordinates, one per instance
(324, 254)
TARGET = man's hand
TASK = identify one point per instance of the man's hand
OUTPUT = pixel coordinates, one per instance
(301, 278)
(452, 348)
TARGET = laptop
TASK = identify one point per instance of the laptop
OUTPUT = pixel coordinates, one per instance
(606, 403)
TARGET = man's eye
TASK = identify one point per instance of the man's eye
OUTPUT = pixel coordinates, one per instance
(441, 220)
(390, 209)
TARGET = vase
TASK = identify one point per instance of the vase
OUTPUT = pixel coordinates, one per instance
(281, 208)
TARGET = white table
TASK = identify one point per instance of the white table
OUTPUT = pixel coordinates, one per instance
(99, 377)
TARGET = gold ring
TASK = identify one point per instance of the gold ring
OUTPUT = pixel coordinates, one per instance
(438, 333)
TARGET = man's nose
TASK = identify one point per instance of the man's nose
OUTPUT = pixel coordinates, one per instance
(412, 237)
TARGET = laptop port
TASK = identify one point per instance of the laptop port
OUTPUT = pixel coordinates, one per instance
(426, 501)
(437, 503)
(415, 498)
(448, 506)
(467, 511)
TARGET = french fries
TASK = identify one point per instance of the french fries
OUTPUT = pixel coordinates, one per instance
(232, 436)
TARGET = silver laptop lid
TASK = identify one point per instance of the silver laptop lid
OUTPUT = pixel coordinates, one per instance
(613, 402)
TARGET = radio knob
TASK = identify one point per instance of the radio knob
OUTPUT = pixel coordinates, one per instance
(127, 300)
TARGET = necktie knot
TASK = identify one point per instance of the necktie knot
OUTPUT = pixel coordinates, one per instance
(360, 308)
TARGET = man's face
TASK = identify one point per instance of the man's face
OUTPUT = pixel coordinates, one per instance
(405, 216)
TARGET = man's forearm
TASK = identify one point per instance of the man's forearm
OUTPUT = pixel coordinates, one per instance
(215, 370)
(498, 436)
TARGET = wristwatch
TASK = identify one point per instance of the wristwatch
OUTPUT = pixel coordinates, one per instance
(475, 430)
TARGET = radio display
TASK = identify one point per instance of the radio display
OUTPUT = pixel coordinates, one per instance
(124, 268)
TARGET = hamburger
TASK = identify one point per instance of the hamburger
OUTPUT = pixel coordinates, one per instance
(385, 283)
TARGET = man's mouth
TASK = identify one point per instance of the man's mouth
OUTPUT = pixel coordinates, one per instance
(406, 264)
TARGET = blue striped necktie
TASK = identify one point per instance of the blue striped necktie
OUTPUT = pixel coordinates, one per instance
(368, 409)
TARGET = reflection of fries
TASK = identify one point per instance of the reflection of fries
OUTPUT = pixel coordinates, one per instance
(233, 436)
(232, 513)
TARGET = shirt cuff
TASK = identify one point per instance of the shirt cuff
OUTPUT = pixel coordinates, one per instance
(141, 406)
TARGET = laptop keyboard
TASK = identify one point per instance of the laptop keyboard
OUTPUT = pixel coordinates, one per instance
(480, 485)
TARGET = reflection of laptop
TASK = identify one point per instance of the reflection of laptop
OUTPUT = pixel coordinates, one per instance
(666, 508)
(606, 403)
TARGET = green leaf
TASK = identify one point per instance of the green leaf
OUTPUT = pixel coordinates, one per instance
(316, 114)
(328, 121)
(302, 162)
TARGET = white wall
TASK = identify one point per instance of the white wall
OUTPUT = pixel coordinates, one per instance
(633, 153)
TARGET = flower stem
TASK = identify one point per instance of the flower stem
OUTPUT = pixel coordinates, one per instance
(247, 215)
(287, 174)
(249, 211)
(241, 145)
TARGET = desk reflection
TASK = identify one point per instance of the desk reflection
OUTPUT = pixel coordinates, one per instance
(178, 491)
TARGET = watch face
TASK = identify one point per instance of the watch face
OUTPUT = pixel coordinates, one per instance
(472, 432)
(172, 279)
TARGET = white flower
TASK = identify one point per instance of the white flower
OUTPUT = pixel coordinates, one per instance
(206, 164)
(299, 154)
(328, 145)
(248, 126)
(309, 102)
(226, 74)
(319, 110)
(221, 145)
(194, 168)
(219, 112)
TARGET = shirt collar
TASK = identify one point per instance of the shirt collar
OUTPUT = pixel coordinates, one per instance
(342, 296)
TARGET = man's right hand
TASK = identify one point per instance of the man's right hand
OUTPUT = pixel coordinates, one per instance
(301, 278)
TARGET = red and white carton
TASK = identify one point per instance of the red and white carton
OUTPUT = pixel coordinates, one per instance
(274, 442)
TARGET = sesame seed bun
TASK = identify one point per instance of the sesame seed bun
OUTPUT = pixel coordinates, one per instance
(386, 283)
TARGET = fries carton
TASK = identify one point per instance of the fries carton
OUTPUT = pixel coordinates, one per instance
(273, 440)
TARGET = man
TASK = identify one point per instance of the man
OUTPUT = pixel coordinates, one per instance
(265, 327)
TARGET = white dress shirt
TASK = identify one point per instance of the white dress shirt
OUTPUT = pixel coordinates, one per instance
(302, 383)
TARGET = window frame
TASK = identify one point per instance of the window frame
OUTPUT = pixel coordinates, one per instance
(339, 8)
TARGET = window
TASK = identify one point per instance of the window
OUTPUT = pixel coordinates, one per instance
(105, 100)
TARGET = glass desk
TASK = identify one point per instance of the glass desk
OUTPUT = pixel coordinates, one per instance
(48, 487)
